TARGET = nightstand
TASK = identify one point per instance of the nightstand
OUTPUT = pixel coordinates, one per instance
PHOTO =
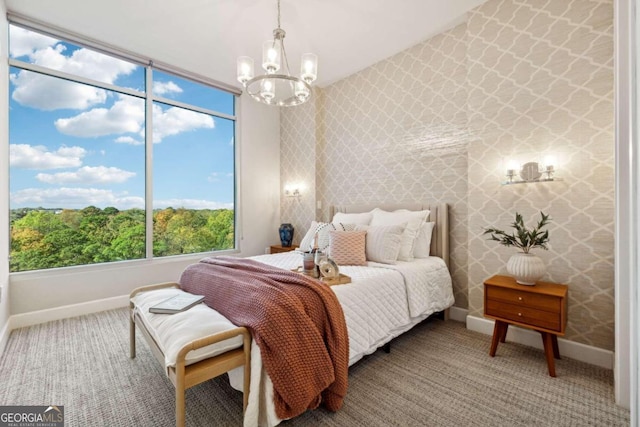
(542, 307)
(276, 249)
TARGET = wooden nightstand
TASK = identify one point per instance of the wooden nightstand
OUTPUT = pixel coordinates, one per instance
(542, 307)
(276, 249)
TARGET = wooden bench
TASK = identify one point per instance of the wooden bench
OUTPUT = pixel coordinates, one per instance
(185, 373)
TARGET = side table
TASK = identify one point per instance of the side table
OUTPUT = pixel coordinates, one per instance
(542, 307)
(276, 249)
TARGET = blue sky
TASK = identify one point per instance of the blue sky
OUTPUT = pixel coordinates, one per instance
(73, 145)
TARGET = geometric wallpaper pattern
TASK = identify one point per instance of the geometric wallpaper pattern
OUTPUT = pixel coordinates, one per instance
(437, 123)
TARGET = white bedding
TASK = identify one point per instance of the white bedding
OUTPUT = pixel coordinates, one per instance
(382, 302)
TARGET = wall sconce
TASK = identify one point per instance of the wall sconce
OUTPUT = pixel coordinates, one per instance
(531, 171)
(291, 191)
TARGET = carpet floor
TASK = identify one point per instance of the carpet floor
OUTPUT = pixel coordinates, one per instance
(437, 374)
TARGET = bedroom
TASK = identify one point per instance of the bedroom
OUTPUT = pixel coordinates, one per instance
(448, 107)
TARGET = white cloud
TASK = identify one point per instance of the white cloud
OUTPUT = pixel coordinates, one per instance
(128, 140)
(47, 93)
(191, 204)
(173, 121)
(163, 88)
(24, 42)
(39, 157)
(74, 198)
(88, 175)
(125, 116)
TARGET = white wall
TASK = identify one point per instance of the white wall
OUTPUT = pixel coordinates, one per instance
(4, 179)
(259, 207)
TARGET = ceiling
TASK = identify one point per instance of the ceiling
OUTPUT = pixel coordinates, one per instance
(206, 36)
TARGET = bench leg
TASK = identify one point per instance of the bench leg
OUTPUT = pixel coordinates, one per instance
(180, 408)
(247, 371)
(132, 336)
(180, 398)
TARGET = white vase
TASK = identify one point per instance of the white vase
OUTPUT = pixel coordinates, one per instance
(526, 268)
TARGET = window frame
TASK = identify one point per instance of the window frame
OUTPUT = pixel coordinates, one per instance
(149, 65)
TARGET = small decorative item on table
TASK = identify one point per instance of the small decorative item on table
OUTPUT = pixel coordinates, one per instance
(286, 234)
(527, 268)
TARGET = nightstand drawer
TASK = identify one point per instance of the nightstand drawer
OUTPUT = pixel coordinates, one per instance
(524, 299)
(528, 316)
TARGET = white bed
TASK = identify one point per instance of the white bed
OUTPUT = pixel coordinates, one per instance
(381, 302)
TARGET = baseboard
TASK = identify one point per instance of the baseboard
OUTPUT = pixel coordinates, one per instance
(458, 314)
(574, 350)
(73, 310)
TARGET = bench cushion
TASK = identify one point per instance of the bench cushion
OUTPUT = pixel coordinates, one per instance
(173, 331)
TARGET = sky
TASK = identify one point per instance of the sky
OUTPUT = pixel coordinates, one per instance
(74, 145)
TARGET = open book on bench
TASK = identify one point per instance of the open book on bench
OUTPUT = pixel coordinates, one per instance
(176, 304)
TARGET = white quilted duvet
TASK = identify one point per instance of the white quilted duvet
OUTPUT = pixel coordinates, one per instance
(382, 302)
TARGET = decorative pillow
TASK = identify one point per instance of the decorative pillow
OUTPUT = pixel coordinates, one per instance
(348, 247)
(382, 242)
(322, 228)
(413, 220)
(422, 244)
(353, 218)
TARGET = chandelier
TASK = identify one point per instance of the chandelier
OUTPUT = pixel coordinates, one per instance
(278, 87)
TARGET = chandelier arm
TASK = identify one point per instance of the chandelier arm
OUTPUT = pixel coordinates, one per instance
(284, 55)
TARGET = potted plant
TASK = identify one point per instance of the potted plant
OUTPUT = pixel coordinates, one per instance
(527, 268)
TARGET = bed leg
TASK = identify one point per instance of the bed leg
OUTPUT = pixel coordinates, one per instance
(387, 348)
(132, 335)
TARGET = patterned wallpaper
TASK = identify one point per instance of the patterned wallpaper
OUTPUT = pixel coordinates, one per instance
(540, 83)
(438, 122)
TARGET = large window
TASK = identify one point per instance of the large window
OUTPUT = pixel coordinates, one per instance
(111, 160)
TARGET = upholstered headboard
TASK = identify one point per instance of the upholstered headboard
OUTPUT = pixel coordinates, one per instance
(439, 214)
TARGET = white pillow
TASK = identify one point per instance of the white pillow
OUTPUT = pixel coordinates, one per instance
(382, 242)
(422, 244)
(413, 220)
(353, 218)
(322, 228)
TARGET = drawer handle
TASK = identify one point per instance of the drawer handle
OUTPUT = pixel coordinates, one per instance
(520, 314)
(519, 298)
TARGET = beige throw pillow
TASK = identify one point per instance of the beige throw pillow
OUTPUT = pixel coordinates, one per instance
(347, 247)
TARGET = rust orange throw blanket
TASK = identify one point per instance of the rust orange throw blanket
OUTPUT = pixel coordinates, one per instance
(296, 321)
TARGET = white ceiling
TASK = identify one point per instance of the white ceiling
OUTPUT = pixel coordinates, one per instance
(206, 36)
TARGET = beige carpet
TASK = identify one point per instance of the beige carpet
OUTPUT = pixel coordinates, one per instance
(438, 374)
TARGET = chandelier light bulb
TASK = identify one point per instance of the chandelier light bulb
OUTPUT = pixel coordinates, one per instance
(245, 69)
(271, 56)
(309, 67)
(301, 91)
(267, 90)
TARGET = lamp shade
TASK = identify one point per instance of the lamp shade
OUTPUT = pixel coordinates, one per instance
(245, 69)
(309, 67)
(271, 56)
(268, 90)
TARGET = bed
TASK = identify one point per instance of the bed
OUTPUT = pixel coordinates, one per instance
(382, 301)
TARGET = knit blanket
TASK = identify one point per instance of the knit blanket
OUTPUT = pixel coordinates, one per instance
(296, 321)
